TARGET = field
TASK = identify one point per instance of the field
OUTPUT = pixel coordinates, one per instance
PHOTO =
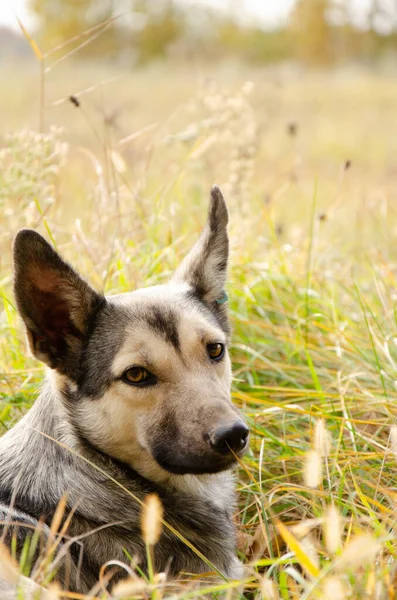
(306, 161)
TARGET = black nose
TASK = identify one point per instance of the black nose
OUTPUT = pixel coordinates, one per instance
(229, 438)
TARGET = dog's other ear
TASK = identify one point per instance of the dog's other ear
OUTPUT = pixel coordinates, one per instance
(205, 267)
(56, 304)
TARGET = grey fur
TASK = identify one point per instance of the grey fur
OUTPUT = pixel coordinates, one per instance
(60, 447)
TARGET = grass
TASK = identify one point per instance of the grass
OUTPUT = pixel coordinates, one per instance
(307, 166)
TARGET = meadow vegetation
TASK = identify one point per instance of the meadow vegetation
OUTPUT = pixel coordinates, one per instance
(306, 161)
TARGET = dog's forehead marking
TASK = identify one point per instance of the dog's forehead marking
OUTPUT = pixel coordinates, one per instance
(156, 307)
(166, 308)
(165, 328)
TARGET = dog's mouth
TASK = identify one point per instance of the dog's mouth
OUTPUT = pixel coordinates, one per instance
(189, 464)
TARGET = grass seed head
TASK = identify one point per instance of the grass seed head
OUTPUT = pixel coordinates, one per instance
(268, 590)
(322, 438)
(312, 472)
(393, 441)
(333, 589)
(359, 551)
(128, 588)
(152, 514)
(332, 529)
(308, 547)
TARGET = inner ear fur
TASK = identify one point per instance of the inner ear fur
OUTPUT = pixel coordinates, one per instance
(57, 306)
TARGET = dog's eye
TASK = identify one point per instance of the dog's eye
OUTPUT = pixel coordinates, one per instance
(216, 351)
(138, 376)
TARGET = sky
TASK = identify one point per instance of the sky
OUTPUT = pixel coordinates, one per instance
(269, 11)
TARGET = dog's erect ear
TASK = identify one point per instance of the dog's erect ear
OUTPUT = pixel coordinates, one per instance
(205, 267)
(56, 304)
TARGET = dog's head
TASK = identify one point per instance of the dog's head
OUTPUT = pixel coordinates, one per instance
(145, 375)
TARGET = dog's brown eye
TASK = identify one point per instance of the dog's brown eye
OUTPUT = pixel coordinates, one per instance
(136, 375)
(139, 376)
(216, 351)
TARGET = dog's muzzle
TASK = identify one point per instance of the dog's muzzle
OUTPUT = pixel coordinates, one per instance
(224, 443)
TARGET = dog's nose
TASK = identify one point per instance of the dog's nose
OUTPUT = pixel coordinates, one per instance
(229, 438)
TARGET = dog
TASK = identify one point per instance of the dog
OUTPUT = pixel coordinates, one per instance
(136, 401)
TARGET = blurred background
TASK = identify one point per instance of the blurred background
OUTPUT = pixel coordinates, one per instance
(262, 97)
(321, 32)
(183, 40)
(110, 108)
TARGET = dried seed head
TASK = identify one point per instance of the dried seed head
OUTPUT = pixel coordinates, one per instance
(152, 514)
(303, 528)
(279, 229)
(59, 514)
(312, 472)
(333, 589)
(332, 529)
(292, 128)
(322, 438)
(359, 551)
(393, 441)
(308, 547)
(268, 590)
(118, 162)
(74, 100)
(129, 587)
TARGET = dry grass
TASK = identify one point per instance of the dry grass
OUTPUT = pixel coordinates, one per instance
(307, 164)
